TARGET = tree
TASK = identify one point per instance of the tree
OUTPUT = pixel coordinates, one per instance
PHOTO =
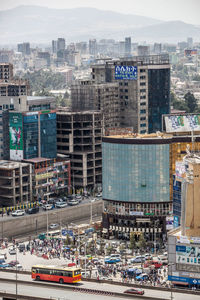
(141, 244)
(132, 241)
(191, 102)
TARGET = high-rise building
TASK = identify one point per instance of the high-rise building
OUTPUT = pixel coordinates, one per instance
(144, 89)
(32, 135)
(143, 50)
(93, 47)
(24, 48)
(157, 48)
(60, 44)
(190, 42)
(79, 135)
(127, 45)
(184, 241)
(54, 46)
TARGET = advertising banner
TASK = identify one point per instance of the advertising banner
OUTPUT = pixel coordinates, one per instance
(126, 72)
(16, 136)
(182, 123)
(188, 254)
(180, 169)
(169, 223)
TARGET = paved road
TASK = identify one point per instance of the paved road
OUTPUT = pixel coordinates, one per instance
(93, 285)
(53, 293)
(10, 217)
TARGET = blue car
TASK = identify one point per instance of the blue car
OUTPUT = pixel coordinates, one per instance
(142, 277)
(5, 266)
(112, 260)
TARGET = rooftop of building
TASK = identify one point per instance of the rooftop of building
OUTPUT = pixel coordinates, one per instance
(7, 165)
(139, 60)
(63, 111)
(34, 98)
(36, 160)
(157, 135)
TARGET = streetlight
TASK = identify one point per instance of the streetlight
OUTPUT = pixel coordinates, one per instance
(16, 278)
(170, 265)
(78, 237)
(91, 201)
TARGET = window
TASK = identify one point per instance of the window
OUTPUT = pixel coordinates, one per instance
(142, 90)
(143, 103)
(142, 118)
(142, 83)
(143, 125)
(143, 111)
(19, 101)
(142, 77)
(142, 97)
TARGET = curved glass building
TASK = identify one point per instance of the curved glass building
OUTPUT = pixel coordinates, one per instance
(136, 185)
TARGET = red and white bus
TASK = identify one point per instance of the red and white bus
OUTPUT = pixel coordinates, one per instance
(56, 273)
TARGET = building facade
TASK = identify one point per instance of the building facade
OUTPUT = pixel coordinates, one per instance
(50, 177)
(79, 135)
(144, 89)
(15, 183)
(32, 135)
(136, 197)
(138, 182)
(86, 95)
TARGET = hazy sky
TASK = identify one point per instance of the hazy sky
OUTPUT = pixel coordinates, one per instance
(185, 10)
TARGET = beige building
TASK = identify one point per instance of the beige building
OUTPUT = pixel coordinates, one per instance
(191, 198)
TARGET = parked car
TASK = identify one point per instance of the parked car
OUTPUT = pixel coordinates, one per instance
(18, 267)
(78, 197)
(61, 204)
(32, 210)
(53, 226)
(18, 213)
(13, 263)
(137, 259)
(112, 260)
(142, 277)
(134, 291)
(12, 251)
(4, 265)
(47, 206)
(99, 195)
(21, 247)
(73, 202)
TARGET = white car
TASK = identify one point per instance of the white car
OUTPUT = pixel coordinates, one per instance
(54, 226)
(18, 213)
(47, 206)
(61, 204)
(73, 202)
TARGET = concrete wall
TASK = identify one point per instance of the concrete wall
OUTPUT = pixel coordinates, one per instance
(33, 223)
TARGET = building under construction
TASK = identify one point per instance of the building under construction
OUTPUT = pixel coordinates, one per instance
(15, 183)
(86, 95)
(79, 134)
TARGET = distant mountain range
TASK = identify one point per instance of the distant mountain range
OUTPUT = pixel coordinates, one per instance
(41, 24)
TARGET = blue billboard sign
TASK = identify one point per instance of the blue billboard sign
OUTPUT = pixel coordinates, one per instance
(126, 72)
(184, 279)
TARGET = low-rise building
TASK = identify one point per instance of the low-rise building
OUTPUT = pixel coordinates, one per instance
(15, 183)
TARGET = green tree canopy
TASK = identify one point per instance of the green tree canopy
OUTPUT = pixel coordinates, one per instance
(191, 102)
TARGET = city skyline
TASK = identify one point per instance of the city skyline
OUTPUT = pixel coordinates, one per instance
(159, 9)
